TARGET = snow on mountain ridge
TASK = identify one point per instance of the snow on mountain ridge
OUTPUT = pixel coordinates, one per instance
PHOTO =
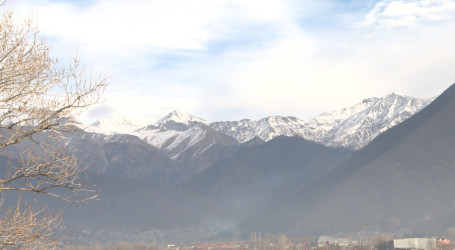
(174, 133)
(119, 124)
(356, 126)
(194, 135)
(242, 130)
(352, 127)
(180, 117)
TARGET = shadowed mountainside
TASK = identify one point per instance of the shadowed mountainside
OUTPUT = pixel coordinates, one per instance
(256, 175)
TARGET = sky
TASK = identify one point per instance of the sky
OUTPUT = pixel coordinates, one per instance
(237, 59)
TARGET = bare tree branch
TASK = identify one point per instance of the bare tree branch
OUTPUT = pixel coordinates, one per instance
(38, 101)
(29, 229)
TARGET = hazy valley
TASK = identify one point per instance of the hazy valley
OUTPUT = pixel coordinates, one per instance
(383, 165)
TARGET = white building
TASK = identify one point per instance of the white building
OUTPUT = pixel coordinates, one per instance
(415, 243)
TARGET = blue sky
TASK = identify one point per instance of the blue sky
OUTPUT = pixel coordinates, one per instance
(234, 59)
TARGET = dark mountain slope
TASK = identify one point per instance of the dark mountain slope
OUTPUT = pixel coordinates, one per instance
(401, 180)
(256, 175)
(123, 156)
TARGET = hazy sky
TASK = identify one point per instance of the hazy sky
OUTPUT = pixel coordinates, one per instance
(234, 59)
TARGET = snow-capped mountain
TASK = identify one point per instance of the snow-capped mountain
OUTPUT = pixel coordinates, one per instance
(180, 117)
(352, 127)
(181, 137)
(188, 144)
(265, 129)
(185, 138)
(173, 129)
(356, 126)
(120, 124)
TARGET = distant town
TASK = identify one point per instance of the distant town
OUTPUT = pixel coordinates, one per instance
(258, 241)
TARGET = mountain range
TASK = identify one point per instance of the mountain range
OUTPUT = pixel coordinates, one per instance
(193, 144)
(382, 165)
(183, 137)
(351, 127)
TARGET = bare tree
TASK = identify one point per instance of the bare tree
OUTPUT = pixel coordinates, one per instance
(29, 229)
(38, 101)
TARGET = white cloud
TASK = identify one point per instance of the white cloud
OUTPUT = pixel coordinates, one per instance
(129, 25)
(141, 24)
(400, 13)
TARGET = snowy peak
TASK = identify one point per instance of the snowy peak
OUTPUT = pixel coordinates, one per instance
(115, 122)
(180, 117)
(174, 121)
(242, 131)
(183, 136)
(273, 126)
(264, 129)
(120, 124)
(372, 107)
(356, 126)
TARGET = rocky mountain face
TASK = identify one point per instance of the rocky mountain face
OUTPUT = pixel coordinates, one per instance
(352, 127)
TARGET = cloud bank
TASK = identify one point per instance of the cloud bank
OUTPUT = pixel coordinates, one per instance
(233, 59)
